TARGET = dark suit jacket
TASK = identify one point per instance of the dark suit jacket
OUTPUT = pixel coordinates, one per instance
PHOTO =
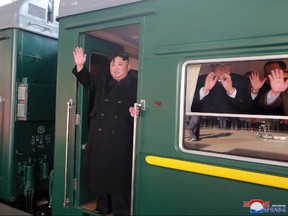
(258, 107)
(280, 103)
(218, 101)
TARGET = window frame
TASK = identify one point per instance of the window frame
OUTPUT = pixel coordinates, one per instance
(182, 110)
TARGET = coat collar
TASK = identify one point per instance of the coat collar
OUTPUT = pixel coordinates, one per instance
(123, 84)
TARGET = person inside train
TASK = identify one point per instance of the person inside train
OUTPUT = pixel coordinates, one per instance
(222, 91)
(107, 165)
(278, 95)
(261, 87)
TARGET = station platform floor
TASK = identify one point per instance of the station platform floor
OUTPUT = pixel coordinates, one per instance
(241, 143)
(6, 210)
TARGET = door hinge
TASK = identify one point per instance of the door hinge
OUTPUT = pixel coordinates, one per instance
(78, 119)
(75, 185)
(141, 105)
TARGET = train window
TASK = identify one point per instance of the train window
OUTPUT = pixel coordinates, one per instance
(229, 110)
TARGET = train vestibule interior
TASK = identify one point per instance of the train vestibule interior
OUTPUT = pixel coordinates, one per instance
(126, 38)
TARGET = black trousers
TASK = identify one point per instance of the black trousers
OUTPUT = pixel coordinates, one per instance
(118, 204)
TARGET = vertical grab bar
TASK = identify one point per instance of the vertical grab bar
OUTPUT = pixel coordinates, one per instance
(66, 199)
(141, 107)
(2, 100)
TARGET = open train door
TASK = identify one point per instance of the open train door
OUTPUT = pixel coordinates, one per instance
(98, 52)
(99, 38)
(70, 195)
(98, 46)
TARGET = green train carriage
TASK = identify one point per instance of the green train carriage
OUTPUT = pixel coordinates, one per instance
(171, 43)
(28, 65)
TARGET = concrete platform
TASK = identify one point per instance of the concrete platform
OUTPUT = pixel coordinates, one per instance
(8, 210)
(240, 143)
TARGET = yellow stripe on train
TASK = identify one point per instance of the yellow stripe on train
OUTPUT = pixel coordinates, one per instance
(239, 175)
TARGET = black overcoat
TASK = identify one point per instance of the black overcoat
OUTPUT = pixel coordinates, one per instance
(107, 165)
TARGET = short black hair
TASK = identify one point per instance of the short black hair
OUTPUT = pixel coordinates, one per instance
(281, 64)
(214, 66)
(123, 55)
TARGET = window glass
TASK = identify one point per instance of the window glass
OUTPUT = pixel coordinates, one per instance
(236, 108)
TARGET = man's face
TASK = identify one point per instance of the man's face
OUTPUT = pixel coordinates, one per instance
(270, 67)
(221, 69)
(119, 68)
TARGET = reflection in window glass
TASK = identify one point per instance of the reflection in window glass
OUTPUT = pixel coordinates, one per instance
(237, 109)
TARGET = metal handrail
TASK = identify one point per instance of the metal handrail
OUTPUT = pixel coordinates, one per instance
(66, 199)
(141, 107)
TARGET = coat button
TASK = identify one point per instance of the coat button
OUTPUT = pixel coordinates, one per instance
(116, 117)
(106, 100)
(102, 114)
(120, 102)
(113, 132)
(99, 129)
